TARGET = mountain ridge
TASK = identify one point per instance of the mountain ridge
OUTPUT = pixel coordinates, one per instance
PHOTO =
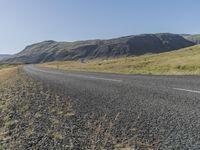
(133, 45)
(4, 56)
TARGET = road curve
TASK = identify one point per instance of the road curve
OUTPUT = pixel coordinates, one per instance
(163, 109)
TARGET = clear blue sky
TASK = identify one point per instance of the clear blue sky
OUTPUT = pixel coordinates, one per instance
(23, 22)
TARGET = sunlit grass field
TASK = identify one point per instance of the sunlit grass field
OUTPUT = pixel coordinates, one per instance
(7, 72)
(183, 61)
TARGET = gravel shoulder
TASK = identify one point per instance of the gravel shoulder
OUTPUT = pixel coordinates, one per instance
(36, 115)
(157, 115)
(58, 110)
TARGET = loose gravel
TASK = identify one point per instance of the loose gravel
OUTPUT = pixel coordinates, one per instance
(37, 115)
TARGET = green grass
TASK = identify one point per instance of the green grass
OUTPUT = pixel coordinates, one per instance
(183, 61)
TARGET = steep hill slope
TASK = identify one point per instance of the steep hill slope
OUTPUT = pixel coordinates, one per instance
(183, 61)
(125, 46)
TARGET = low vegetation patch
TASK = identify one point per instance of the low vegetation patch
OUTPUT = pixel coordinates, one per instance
(7, 72)
(183, 61)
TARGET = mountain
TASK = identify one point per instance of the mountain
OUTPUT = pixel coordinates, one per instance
(3, 56)
(125, 46)
(194, 38)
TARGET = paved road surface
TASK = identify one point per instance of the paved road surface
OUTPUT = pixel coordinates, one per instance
(163, 109)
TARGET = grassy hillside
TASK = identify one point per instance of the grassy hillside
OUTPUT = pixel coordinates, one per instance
(183, 61)
(193, 38)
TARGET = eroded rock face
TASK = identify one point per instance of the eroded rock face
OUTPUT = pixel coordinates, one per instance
(91, 49)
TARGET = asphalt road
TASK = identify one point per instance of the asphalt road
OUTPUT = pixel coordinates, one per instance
(165, 110)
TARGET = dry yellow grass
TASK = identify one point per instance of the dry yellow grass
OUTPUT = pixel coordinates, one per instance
(6, 73)
(183, 61)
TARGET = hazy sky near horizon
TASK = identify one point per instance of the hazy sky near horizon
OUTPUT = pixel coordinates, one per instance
(23, 22)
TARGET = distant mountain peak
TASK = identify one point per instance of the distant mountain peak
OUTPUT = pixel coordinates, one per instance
(4, 56)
